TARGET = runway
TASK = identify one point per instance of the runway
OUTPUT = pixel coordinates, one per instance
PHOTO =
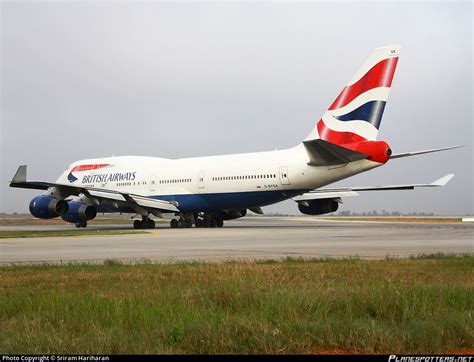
(249, 238)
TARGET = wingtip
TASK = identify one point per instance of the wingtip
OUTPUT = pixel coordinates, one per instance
(443, 180)
(20, 175)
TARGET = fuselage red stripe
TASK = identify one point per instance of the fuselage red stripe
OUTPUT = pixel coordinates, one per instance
(380, 75)
(89, 167)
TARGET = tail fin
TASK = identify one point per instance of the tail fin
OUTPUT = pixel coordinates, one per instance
(356, 113)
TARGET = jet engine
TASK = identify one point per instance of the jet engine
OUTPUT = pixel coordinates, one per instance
(318, 207)
(47, 207)
(79, 212)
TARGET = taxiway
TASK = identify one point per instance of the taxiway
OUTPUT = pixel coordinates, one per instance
(249, 238)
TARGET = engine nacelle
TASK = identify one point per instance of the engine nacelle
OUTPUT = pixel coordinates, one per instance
(79, 212)
(233, 214)
(318, 207)
(47, 207)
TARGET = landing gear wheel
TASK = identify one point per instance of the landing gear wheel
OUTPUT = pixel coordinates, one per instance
(212, 223)
(174, 223)
(150, 224)
(188, 223)
(137, 224)
(219, 223)
(81, 224)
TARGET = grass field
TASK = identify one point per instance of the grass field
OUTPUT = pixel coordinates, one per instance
(419, 305)
(5, 234)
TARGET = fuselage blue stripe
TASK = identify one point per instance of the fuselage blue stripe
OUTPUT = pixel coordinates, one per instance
(209, 202)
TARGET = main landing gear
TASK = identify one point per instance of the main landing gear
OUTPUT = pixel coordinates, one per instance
(145, 223)
(181, 223)
(81, 224)
(200, 220)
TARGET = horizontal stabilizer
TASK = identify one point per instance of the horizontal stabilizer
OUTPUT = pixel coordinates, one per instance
(323, 153)
(416, 153)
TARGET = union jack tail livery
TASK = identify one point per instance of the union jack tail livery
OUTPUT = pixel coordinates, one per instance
(356, 113)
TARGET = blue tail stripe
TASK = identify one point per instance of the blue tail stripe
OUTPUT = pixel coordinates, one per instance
(370, 112)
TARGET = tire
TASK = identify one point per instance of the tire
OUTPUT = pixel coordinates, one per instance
(137, 224)
(212, 223)
(188, 224)
(174, 223)
(78, 224)
(150, 224)
(84, 224)
(219, 223)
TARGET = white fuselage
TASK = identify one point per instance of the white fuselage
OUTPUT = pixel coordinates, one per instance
(228, 182)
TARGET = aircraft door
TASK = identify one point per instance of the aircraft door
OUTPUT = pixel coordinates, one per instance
(201, 180)
(284, 179)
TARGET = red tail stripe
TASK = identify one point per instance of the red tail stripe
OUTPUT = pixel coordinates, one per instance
(376, 150)
(89, 167)
(338, 138)
(380, 75)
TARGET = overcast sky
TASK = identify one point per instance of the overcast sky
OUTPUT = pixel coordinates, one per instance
(84, 79)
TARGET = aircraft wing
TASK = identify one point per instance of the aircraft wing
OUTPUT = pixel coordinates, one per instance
(132, 200)
(338, 193)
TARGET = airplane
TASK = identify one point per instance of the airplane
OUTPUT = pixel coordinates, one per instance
(206, 191)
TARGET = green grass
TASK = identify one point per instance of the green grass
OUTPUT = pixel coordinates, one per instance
(4, 234)
(418, 305)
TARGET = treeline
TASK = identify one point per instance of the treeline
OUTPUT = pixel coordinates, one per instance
(383, 213)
